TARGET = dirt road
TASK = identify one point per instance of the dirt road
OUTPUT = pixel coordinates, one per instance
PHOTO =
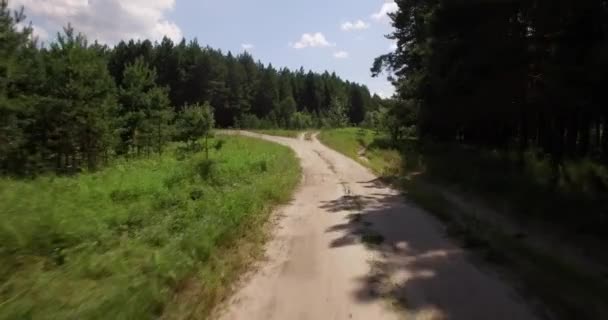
(348, 247)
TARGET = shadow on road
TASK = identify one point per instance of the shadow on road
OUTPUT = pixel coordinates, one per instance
(417, 269)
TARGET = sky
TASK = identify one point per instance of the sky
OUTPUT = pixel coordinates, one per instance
(335, 35)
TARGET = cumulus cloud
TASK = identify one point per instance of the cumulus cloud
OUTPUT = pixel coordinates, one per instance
(357, 25)
(340, 54)
(107, 21)
(247, 46)
(387, 7)
(309, 40)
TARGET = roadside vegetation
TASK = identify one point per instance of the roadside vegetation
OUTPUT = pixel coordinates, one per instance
(494, 212)
(366, 146)
(159, 236)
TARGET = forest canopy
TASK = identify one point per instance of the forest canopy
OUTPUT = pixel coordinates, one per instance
(504, 74)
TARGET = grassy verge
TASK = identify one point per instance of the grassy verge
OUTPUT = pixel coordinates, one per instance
(365, 146)
(280, 132)
(159, 237)
(568, 292)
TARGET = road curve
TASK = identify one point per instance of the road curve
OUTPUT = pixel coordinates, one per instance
(348, 247)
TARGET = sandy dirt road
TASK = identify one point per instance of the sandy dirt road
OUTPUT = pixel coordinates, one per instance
(320, 263)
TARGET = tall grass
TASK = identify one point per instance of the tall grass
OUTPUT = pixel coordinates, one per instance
(124, 242)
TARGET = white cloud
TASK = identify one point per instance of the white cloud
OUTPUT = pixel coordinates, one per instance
(341, 55)
(108, 21)
(387, 7)
(247, 46)
(316, 40)
(357, 25)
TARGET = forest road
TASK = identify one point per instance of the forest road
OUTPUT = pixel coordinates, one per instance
(349, 247)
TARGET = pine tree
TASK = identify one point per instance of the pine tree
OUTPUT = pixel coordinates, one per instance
(82, 99)
(356, 111)
(194, 122)
(267, 93)
(144, 112)
(18, 74)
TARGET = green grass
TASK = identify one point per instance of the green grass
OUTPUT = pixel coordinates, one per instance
(154, 237)
(365, 146)
(280, 132)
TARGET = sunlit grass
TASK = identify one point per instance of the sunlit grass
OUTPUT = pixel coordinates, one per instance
(365, 146)
(124, 242)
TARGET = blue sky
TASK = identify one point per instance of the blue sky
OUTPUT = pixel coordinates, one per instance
(336, 35)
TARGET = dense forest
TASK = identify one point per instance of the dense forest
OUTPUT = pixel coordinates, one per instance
(72, 104)
(510, 112)
(512, 74)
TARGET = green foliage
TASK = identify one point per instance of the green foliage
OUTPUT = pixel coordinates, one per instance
(336, 116)
(240, 88)
(505, 74)
(144, 112)
(285, 112)
(80, 102)
(508, 101)
(122, 242)
(301, 120)
(15, 48)
(194, 122)
(356, 111)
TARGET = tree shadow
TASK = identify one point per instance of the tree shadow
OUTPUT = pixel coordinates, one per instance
(417, 269)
